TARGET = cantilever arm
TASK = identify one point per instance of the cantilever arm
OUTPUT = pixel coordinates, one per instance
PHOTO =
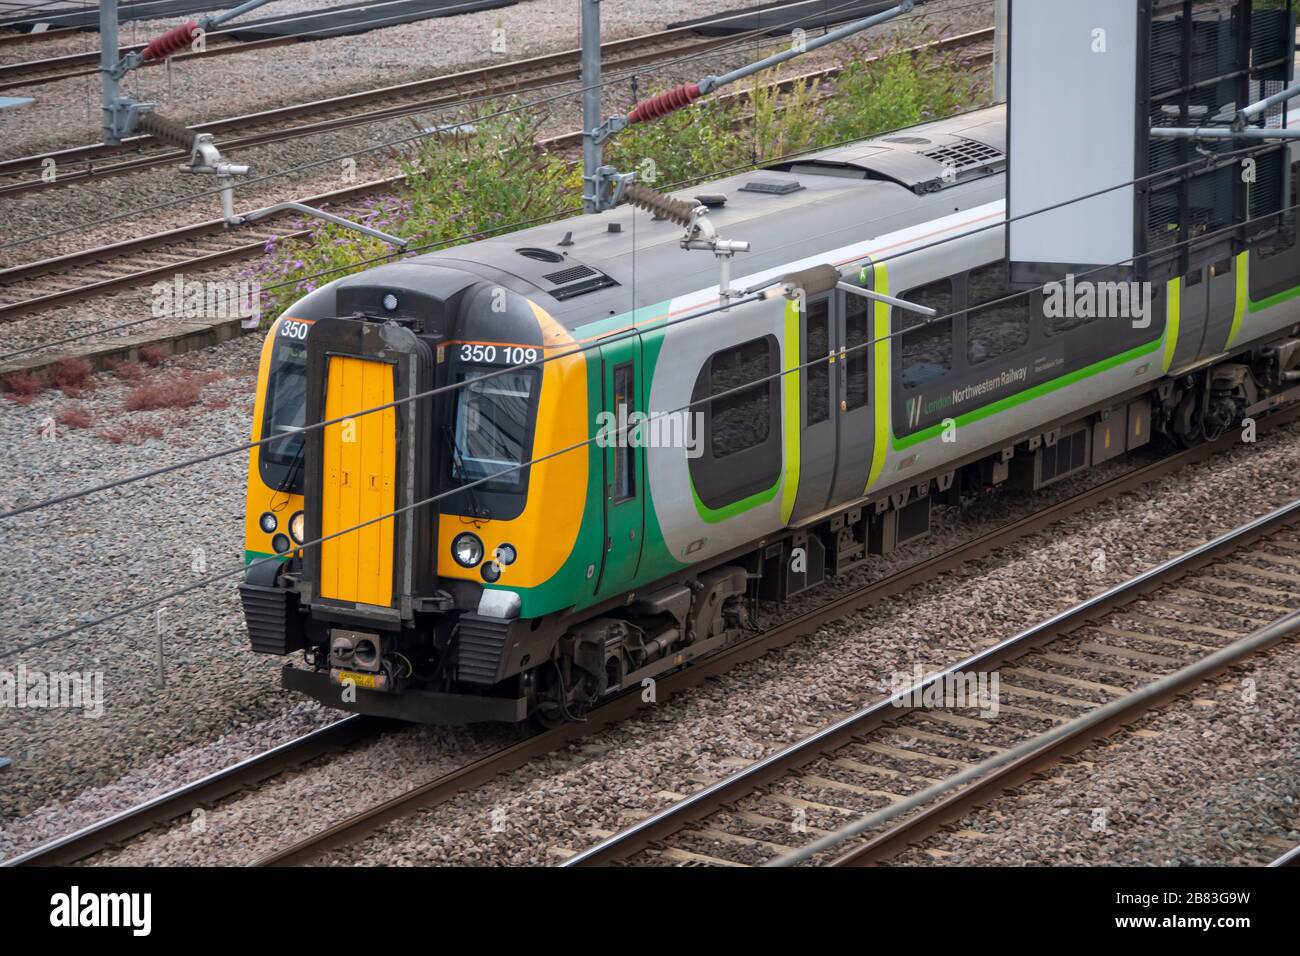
(321, 214)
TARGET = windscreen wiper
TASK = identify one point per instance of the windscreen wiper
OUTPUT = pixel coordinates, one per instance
(458, 463)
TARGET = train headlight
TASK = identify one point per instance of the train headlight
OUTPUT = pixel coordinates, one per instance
(281, 543)
(267, 522)
(296, 525)
(491, 572)
(467, 549)
(506, 554)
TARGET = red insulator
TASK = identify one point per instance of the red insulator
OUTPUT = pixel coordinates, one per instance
(665, 103)
(173, 41)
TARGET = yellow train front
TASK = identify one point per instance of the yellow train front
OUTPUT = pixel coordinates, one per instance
(408, 511)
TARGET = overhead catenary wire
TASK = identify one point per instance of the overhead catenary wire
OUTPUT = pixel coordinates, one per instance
(840, 355)
(351, 154)
(911, 250)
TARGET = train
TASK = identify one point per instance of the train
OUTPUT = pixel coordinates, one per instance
(486, 555)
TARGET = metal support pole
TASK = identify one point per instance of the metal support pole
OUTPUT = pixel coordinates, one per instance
(1254, 109)
(592, 150)
(1000, 24)
(711, 83)
(160, 679)
(108, 57)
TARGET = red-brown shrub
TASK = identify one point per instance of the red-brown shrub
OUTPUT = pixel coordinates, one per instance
(153, 355)
(22, 386)
(129, 371)
(75, 416)
(115, 435)
(175, 391)
(71, 375)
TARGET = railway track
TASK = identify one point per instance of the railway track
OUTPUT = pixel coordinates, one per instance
(15, 76)
(176, 804)
(1068, 681)
(13, 38)
(32, 287)
(356, 827)
(61, 280)
(98, 160)
(202, 793)
(1290, 858)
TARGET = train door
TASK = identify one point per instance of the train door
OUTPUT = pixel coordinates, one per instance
(358, 463)
(854, 321)
(1207, 301)
(623, 460)
(817, 414)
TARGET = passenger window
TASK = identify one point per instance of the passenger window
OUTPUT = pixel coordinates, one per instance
(817, 369)
(624, 483)
(1000, 328)
(857, 361)
(1275, 258)
(742, 419)
(1282, 241)
(927, 350)
(1059, 314)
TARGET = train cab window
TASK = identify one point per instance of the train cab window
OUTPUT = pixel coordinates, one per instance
(816, 355)
(624, 483)
(281, 462)
(857, 359)
(927, 346)
(742, 419)
(999, 327)
(492, 425)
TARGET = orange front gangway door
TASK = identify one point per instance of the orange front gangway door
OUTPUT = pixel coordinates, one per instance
(360, 461)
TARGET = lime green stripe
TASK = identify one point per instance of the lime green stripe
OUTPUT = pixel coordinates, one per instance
(251, 556)
(1043, 388)
(1275, 300)
(1243, 293)
(790, 390)
(714, 515)
(880, 331)
(1173, 313)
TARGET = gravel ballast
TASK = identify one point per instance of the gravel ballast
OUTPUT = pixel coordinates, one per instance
(563, 802)
(1210, 780)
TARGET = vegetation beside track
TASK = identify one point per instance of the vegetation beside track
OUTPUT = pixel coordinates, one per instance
(488, 176)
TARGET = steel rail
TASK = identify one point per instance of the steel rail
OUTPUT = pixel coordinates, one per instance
(710, 799)
(356, 827)
(222, 783)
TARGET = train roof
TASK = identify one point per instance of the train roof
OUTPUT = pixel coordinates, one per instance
(590, 267)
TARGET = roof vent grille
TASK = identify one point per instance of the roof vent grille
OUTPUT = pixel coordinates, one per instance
(965, 153)
(571, 274)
